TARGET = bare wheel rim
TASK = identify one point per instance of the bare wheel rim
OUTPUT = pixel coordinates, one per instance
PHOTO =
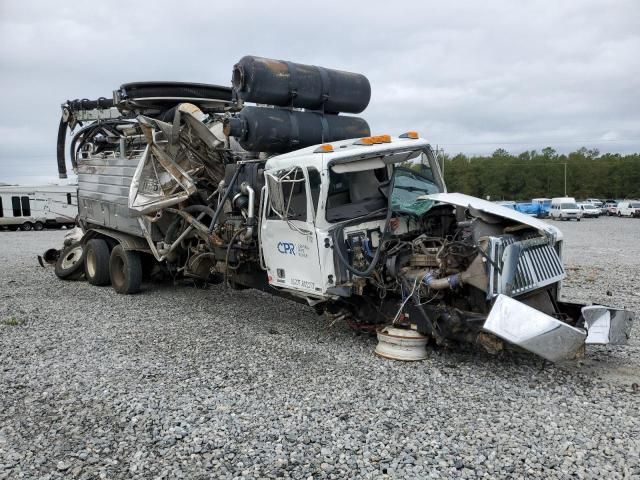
(71, 257)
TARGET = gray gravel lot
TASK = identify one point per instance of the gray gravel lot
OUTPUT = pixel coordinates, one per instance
(179, 382)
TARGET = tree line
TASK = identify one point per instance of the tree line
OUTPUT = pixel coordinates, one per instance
(532, 174)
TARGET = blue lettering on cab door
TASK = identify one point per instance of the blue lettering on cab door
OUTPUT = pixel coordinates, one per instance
(286, 248)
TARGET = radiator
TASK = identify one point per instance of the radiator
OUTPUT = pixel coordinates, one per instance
(519, 266)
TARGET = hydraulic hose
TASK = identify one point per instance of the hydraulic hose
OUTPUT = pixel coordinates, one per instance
(62, 138)
(338, 239)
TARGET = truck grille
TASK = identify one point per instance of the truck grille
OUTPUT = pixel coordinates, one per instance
(537, 265)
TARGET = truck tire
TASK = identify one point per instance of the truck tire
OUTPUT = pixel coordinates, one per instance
(38, 226)
(96, 262)
(27, 226)
(70, 263)
(125, 270)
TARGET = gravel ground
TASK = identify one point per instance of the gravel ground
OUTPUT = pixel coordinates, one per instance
(188, 383)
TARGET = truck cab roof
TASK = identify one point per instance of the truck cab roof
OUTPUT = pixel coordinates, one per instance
(320, 158)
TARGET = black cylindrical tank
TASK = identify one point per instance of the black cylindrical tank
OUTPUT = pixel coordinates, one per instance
(276, 130)
(288, 84)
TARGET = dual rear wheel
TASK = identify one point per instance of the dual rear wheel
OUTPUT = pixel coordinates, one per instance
(122, 268)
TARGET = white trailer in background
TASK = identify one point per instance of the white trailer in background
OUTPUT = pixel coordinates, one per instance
(38, 207)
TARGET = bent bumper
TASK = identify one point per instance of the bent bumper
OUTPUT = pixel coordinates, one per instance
(551, 338)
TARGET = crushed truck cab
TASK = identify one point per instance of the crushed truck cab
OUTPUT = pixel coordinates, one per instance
(187, 181)
(367, 230)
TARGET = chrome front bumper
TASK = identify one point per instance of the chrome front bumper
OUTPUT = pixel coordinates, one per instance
(551, 338)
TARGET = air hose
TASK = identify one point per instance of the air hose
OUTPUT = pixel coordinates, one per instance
(62, 137)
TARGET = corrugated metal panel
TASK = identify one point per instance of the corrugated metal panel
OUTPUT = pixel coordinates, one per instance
(103, 192)
(538, 266)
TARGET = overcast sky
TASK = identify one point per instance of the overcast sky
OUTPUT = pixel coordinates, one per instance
(469, 76)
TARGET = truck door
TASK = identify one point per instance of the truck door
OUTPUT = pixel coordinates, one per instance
(288, 238)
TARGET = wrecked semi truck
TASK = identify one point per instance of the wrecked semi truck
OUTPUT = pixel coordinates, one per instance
(292, 197)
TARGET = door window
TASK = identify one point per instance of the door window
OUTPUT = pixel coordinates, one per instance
(287, 195)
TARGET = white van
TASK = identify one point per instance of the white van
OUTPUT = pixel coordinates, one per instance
(627, 208)
(565, 208)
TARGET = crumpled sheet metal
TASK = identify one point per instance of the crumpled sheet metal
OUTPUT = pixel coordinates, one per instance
(607, 325)
(534, 330)
(158, 182)
(166, 172)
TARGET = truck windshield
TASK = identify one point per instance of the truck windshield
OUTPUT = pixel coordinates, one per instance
(409, 186)
(568, 206)
(361, 187)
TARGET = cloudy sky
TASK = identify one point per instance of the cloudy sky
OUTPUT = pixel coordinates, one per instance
(469, 76)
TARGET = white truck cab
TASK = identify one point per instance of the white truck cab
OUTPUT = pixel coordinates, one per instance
(314, 192)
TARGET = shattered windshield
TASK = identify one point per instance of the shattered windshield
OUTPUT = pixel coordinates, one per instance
(362, 187)
(409, 186)
(413, 178)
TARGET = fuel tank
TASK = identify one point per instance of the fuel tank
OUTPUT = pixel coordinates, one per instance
(276, 130)
(288, 84)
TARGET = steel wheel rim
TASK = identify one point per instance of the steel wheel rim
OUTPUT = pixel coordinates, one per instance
(71, 257)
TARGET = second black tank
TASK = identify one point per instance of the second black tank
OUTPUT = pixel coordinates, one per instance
(276, 130)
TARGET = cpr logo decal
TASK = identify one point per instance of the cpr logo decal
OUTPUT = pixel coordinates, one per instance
(287, 248)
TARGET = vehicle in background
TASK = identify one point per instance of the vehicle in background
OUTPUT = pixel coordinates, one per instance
(526, 208)
(589, 210)
(628, 208)
(565, 208)
(34, 208)
(506, 203)
(544, 206)
(594, 201)
(529, 208)
(532, 209)
(610, 208)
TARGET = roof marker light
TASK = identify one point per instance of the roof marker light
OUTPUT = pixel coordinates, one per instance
(411, 134)
(324, 148)
(373, 140)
